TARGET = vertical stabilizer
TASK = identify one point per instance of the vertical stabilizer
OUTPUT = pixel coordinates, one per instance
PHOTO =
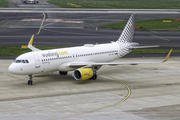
(128, 32)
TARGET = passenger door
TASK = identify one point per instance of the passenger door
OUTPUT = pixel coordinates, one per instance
(37, 61)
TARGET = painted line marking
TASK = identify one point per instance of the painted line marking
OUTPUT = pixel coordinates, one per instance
(127, 96)
(53, 20)
(10, 82)
(41, 24)
(160, 37)
(6, 83)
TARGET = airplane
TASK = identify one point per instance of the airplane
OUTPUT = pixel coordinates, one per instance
(83, 60)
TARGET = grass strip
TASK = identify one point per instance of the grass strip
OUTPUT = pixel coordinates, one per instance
(16, 51)
(157, 24)
(117, 4)
(4, 3)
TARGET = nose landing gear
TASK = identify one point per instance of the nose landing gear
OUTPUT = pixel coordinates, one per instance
(30, 81)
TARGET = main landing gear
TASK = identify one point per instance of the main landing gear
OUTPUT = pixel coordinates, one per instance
(63, 72)
(30, 81)
(94, 77)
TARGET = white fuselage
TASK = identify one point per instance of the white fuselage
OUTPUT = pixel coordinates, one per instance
(59, 59)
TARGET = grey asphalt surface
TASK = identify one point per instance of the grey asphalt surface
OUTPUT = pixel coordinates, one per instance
(64, 34)
(15, 32)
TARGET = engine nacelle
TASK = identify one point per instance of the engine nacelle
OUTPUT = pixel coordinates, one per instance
(83, 74)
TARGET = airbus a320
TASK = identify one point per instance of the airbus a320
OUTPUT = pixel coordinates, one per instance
(83, 60)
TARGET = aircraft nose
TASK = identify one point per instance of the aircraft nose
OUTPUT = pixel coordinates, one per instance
(12, 69)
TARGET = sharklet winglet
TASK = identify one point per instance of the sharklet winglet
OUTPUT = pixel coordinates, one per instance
(31, 40)
(30, 44)
(166, 59)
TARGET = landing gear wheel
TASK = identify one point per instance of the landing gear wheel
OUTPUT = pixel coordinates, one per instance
(30, 82)
(94, 77)
(63, 72)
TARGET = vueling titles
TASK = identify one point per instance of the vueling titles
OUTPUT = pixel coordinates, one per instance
(50, 54)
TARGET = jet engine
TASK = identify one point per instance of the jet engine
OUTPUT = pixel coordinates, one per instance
(84, 74)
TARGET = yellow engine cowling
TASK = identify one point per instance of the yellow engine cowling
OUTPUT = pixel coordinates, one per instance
(83, 74)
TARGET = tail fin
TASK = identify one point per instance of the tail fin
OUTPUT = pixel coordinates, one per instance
(128, 32)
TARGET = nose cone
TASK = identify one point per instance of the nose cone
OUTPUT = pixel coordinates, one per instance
(12, 68)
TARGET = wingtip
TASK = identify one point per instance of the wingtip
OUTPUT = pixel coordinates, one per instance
(168, 55)
(30, 46)
(31, 40)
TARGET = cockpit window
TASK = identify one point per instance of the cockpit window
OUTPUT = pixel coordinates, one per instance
(27, 61)
(21, 61)
(18, 61)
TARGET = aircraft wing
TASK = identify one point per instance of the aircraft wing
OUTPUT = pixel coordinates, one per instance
(30, 45)
(90, 64)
